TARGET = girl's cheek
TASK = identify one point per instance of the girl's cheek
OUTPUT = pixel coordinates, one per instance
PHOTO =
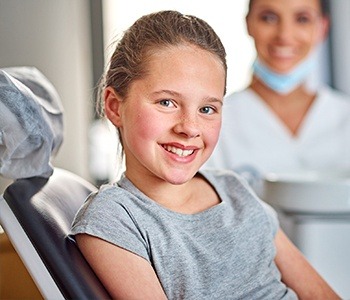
(213, 132)
(149, 125)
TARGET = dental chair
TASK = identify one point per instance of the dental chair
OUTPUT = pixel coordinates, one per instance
(36, 214)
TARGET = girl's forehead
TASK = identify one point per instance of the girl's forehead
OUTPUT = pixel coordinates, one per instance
(177, 51)
(166, 49)
(177, 68)
(182, 57)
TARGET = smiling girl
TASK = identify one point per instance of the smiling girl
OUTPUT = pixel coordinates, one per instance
(166, 230)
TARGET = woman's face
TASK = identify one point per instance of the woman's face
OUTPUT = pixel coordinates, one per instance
(285, 31)
(170, 119)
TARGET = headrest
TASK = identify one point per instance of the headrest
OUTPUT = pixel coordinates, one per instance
(31, 123)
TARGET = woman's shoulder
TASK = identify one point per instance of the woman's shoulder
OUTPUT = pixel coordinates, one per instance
(335, 103)
(241, 102)
(327, 92)
(240, 95)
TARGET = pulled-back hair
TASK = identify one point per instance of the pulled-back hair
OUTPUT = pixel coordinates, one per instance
(151, 33)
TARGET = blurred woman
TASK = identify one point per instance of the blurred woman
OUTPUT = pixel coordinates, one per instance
(279, 123)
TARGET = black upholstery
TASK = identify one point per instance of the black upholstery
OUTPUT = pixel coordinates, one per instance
(45, 209)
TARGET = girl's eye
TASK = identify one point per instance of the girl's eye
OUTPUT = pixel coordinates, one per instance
(207, 110)
(166, 103)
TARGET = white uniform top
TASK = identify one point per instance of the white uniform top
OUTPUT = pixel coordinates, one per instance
(252, 135)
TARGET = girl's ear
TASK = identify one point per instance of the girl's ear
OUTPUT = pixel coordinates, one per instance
(112, 103)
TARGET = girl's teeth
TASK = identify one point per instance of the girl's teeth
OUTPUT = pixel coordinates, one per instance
(178, 151)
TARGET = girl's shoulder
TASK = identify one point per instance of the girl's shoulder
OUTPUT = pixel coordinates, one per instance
(225, 180)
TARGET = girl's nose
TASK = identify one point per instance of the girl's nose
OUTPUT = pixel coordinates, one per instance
(187, 126)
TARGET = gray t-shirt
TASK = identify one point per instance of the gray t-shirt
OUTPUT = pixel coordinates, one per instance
(224, 252)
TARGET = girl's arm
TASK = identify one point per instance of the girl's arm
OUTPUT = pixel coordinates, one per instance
(298, 274)
(125, 275)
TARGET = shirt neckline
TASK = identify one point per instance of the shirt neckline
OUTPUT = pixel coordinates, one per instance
(126, 184)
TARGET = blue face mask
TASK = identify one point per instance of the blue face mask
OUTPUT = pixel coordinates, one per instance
(284, 83)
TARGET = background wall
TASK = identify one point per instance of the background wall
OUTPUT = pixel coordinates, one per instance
(55, 37)
(340, 44)
(226, 17)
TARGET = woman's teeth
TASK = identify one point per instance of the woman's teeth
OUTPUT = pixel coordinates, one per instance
(178, 151)
(283, 51)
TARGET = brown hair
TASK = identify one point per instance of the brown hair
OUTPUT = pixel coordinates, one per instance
(148, 34)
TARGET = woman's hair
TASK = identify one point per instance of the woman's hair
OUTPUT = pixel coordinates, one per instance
(149, 34)
(323, 3)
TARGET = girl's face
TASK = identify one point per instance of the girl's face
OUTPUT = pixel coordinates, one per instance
(285, 31)
(171, 118)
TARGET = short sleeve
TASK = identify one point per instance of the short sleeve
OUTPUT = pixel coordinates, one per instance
(104, 217)
(271, 215)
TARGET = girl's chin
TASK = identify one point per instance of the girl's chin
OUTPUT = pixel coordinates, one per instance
(180, 178)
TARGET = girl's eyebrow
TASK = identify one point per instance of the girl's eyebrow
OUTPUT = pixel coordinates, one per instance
(170, 92)
(176, 94)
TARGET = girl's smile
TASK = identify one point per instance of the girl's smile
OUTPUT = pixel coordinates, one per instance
(179, 150)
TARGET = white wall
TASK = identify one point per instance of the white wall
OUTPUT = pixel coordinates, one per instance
(226, 17)
(340, 44)
(54, 36)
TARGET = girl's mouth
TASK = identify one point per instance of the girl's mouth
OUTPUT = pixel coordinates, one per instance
(178, 151)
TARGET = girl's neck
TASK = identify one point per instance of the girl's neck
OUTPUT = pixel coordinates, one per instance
(191, 197)
(291, 108)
